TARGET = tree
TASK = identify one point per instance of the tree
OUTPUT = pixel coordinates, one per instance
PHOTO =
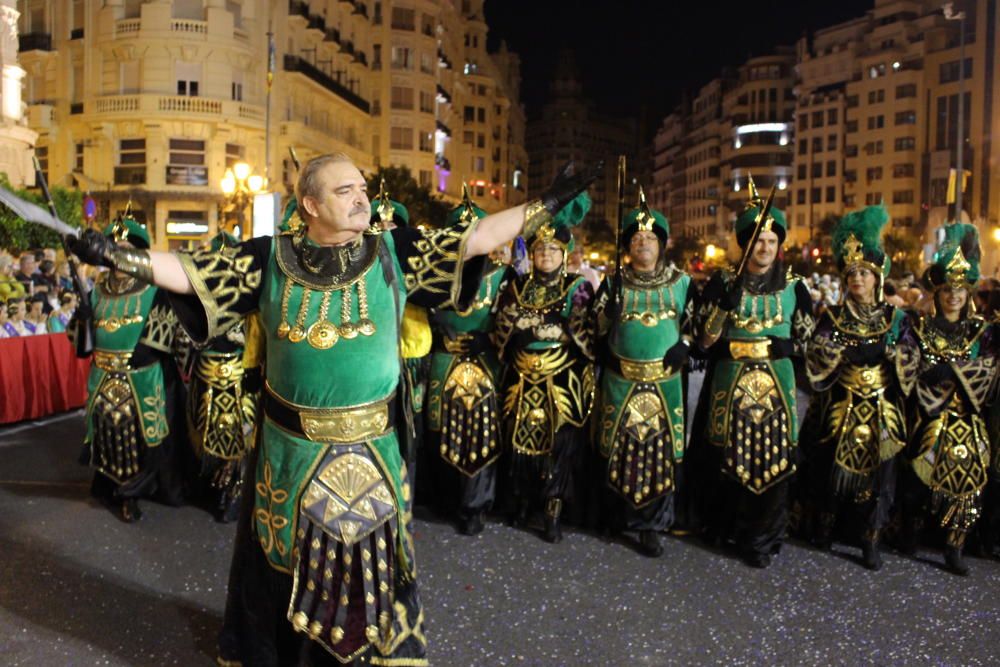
(18, 235)
(425, 207)
(904, 251)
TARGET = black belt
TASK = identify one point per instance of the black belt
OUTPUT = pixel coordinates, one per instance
(779, 348)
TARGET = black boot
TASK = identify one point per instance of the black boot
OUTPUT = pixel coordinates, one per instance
(870, 555)
(472, 524)
(756, 559)
(649, 544)
(130, 512)
(553, 532)
(824, 532)
(519, 515)
(954, 562)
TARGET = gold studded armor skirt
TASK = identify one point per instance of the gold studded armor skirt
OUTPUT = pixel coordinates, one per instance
(470, 416)
(548, 389)
(216, 407)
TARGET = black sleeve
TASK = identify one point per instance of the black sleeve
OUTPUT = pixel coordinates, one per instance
(227, 286)
(435, 271)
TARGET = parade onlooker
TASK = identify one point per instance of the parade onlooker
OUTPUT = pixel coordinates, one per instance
(60, 317)
(15, 324)
(4, 318)
(35, 319)
(27, 273)
(10, 288)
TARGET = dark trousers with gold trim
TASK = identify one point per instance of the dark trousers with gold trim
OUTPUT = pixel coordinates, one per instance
(755, 522)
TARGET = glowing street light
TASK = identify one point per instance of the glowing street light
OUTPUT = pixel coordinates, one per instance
(239, 185)
(711, 251)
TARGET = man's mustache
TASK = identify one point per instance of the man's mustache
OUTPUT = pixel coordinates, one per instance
(358, 209)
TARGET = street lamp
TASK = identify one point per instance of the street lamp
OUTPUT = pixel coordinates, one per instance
(239, 185)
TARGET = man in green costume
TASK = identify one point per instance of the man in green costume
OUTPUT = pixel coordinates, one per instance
(323, 568)
(751, 324)
(640, 410)
(132, 385)
(463, 410)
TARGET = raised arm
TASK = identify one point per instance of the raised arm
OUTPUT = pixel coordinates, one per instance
(162, 269)
(499, 228)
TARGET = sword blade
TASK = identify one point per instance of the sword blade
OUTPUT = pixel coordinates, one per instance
(33, 213)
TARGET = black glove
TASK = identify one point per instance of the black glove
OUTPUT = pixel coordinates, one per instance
(781, 348)
(93, 247)
(567, 184)
(866, 354)
(84, 311)
(729, 300)
(476, 343)
(676, 355)
(521, 340)
(938, 373)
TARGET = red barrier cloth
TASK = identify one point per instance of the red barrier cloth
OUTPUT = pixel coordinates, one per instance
(39, 376)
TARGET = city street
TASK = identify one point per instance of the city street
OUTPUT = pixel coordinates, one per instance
(78, 587)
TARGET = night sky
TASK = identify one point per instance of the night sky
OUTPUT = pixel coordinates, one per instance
(632, 53)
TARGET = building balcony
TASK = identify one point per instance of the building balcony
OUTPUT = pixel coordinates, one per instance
(316, 23)
(35, 41)
(191, 29)
(310, 71)
(175, 105)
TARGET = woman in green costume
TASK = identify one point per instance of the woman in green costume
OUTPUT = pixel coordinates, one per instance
(948, 452)
(463, 411)
(856, 423)
(640, 410)
(544, 335)
(59, 318)
(132, 387)
(323, 568)
(751, 324)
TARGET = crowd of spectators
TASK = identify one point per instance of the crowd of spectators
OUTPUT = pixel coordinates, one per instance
(36, 293)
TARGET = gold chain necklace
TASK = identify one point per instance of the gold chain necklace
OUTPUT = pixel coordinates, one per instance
(324, 334)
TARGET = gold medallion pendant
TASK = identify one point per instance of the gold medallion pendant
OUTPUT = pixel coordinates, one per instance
(112, 325)
(322, 335)
(648, 319)
(348, 330)
(283, 330)
(754, 326)
(366, 327)
(297, 334)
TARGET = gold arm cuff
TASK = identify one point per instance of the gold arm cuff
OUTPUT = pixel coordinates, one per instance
(135, 262)
(715, 321)
(535, 216)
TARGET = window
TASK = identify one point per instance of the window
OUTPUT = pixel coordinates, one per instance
(469, 114)
(131, 169)
(850, 175)
(803, 147)
(902, 197)
(128, 73)
(874, 147)
(186, 164)
(876, 122)
(817, 119)
(903, 170)
(831, 194)
(817, 170)
(905, 144)
(906, 90)
(831, 116)
(425, 178)
(873, 173)
(906, 118)
(872, 198)
(426, 101)
(849, 200)
(188, 76)
(831, 168)
(831, 142)
(815, 195)
(852, 126)
(478, 164)
(189, 9)
(480, 140)
(802, 172)
(947, 120)
(468, 137)
(427, 62)
(481, 115)
(876, 96)
(402, 57)
(237, 85)
(427, 24)
(817, 145)
(427, 142)
(850, 151)
(948, 72)
(800, 196)
(401, 138)
(875, 71)
(403, 19)
(803, 121)
(78, 155)
(401, 97)
(234, 154)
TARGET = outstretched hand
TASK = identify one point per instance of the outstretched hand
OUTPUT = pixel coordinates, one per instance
(568, 183)
(92, 247)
